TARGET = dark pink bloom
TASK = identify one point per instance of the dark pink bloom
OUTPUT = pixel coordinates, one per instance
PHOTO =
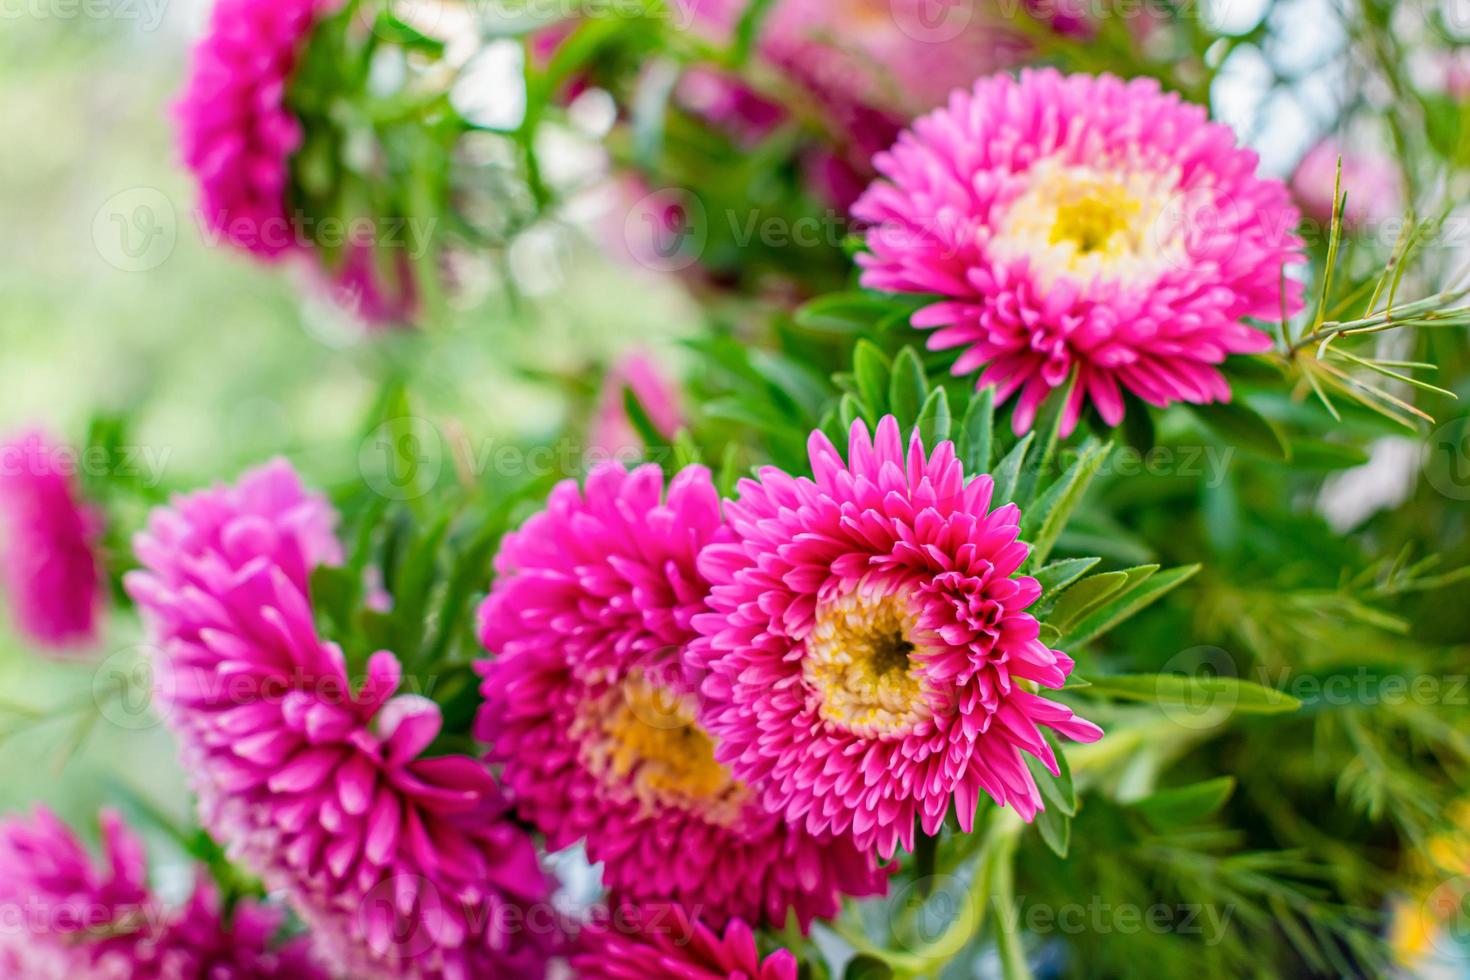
(590, 713)
(1082, 225)
(66, 915)
(236, 130)
(868, 649)
(377, 286)
(665, 943)
(612, 432)
(402, 863)
(51, 567)
(237, 134)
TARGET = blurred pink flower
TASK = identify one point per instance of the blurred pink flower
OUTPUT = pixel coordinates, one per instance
(237, 134)
(403, 863)
(1370, 182)
(613, 432)
(1082, 225)
(870, 660)
(66, 916)
(588, 709)
(236, 131)
(51, 566)
(666, 943)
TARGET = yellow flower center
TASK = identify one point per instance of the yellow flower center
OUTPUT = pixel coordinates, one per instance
(860, 662)
(1093, 217)
(641, 738)
(1089, 223)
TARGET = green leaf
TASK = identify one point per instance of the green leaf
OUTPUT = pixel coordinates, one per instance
(870, 370)
(1241, 425)
(842, 313)
(411, 589)
(1130, 601)
(1186, 804)
(1044, 520)
(867, 967)
(1050, 425)
(935, 420)
(747, 29)
(1058, 575)
(1056, 791)
(389, 28)
(908, 388)
(1317, 454)
(1088, 594)
(976, 432)
(1193, 690)
(1056, 830)
(1008, 471)
(849, 410)
(334, 593)
(638, 417)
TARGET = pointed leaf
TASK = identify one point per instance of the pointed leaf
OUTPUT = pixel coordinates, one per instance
(1131, 600)
(1193, 690)
(1058, 575)
(870, 369)
(1239, 424)
(1186, 804)
(908, 388)
(1008, 471)
(976, 431)
(1048, 515)
(934, 419)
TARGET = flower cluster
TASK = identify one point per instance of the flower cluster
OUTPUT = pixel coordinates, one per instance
(402, 862)
(588, 708)
(1082, 227)
(65, 915)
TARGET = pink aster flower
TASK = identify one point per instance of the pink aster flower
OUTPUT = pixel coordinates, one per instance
(589, 711)
(66, 915)
(50, 563)
(1082, 224)
(235, 128)
(612, 432)
(868, 649)
(403, 864)
(1370, 181)
(665, 943)
(237, 134)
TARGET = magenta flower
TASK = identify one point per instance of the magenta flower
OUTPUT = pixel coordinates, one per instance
(868, 649)
(1370, 181)
(236, 131)
(237, 134)
(612, 431)
(665, 943)
(589, 711)
(402, 863)
(49, 563)
(68, 916)
(1087, 225)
